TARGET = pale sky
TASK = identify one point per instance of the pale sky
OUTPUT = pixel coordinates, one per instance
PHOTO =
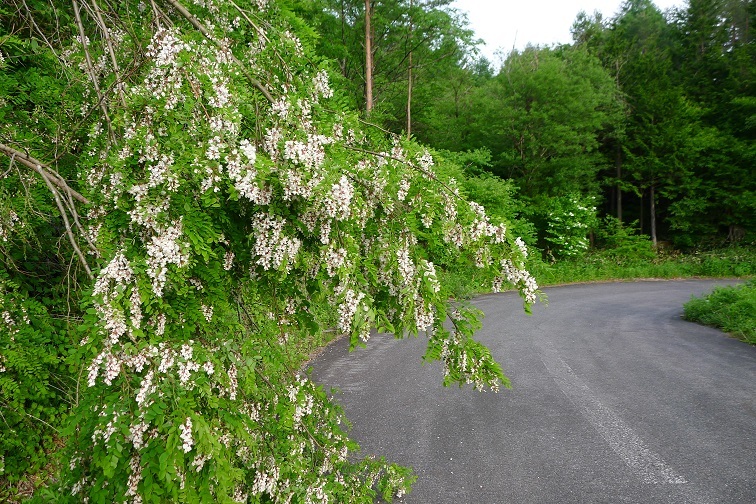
(504, 24)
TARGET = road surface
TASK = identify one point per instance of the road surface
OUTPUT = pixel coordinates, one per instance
(615, 399)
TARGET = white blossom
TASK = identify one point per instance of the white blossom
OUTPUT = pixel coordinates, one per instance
(348, 308)
(186, 435)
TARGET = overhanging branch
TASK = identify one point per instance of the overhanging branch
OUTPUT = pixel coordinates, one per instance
(42, 170)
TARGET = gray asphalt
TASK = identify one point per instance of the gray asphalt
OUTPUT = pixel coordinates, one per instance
(615, 399)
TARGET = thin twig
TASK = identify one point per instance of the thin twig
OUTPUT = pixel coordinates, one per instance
(72, 208)
(425, 172)
(10, 166)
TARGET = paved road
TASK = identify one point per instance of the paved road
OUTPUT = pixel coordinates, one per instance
(616, 399)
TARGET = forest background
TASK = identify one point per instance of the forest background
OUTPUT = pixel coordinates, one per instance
(650, 117)
(628, 153)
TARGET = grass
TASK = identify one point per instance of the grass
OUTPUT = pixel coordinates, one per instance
(732, 309)
(605, 265)
(608, 265)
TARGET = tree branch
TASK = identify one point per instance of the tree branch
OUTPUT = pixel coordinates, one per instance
(90, 68)
(64, 214)
(40, 168)
(109, 44)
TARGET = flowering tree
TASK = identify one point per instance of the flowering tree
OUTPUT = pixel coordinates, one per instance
(219, 200)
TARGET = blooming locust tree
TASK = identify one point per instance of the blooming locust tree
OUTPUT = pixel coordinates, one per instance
(220, 200)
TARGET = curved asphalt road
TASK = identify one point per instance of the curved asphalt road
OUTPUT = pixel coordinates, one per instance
(616, 399)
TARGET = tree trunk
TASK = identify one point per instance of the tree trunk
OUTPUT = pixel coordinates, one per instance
(652, 208)
(618, 165)
(342, 18)
(409, 77)
(642, 211)
(409, 97)
(368, 57)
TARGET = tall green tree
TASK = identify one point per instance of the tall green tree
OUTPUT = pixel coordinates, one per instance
(657, 141)
(542, 116)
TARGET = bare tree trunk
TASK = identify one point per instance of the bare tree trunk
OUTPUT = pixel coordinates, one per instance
(642, 211)
(409, 98)
(618, 165)
(342, 17)
(652, 206)
(368, 57)
(409, 77)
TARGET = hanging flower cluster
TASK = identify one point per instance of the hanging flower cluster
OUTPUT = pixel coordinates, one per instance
(228, 201)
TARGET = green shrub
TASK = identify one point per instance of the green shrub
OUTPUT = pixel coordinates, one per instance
(32, 376)
(568, 222)
(622, 241)
(732, 309)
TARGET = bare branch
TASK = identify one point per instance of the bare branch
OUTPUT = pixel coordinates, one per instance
(64, 214)
(111, 50)
(90, 68)
(43, 170)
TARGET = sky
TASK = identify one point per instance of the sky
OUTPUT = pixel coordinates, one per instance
(504, 24)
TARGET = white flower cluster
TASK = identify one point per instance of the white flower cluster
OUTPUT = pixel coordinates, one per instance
(520, 278)
(165, 76)
(272, 248)
(424, 316)
(134, 478)
(280, 108)
(337, 205)
(310, 154)
(112, 368)
(135, 303)
(321, 85)
(207, 311)
(406, 266)
(348, 308)
(521, 245)
(404, 186)
(266, 481)
(429, 274)
(228, 261)
(243, 174)
(147, 388)
(334, 260)
(186, 435)
(7, 228)
(136, 434)
(199, 461)
(165, 249)
(117, 272)
(222, 95)
(425, 161)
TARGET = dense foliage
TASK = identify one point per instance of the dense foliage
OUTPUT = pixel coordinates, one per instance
(184, 196)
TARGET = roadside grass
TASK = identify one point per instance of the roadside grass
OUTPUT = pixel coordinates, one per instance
(612, 264)
(606, 265)
(732, 309)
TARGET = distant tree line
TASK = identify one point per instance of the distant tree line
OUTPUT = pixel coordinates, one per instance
(650, 116)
